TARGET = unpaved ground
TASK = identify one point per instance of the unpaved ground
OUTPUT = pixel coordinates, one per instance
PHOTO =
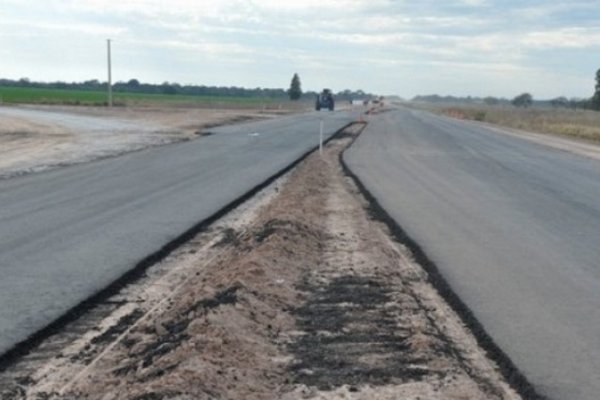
(301, 295)
(38, 138)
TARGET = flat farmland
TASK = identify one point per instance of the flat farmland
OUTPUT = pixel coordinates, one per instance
(21, 95)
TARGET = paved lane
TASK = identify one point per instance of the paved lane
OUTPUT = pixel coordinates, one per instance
(66, 234)
(514, 227)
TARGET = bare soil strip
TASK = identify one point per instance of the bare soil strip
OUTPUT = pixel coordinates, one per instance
(297, 294)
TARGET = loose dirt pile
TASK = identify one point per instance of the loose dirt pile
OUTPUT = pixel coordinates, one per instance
(306, 298)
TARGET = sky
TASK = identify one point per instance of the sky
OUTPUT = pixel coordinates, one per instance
(401, 47)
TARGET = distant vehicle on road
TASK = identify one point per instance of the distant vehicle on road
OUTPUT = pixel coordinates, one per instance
(325, 100)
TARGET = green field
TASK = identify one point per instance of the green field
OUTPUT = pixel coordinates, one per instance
(16, 95)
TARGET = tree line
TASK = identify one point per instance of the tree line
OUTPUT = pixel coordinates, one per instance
(523, 100)
(295, 92)
(172, 88)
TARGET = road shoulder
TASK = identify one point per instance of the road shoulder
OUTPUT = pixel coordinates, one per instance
(578, 147)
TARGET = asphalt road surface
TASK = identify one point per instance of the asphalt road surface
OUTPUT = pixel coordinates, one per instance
(68, 233)
(513, 226)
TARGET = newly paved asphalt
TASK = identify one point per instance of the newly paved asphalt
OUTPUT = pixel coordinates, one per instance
(512, 225)
(67, 233)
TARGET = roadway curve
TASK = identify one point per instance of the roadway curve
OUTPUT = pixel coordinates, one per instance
(512, 225)
(68, 233)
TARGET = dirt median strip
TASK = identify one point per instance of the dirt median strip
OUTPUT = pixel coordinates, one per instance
(301, 296)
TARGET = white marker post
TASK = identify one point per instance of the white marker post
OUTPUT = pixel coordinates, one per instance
(321, 139)
(109, 86)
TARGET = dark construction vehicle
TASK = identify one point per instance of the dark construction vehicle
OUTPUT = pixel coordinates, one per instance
(325, 100)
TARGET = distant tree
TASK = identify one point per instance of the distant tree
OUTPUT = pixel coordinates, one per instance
(345, 94)
(576, 103)
(523, 100)
(167, 88)
(133, 84)
(491, 101)
(595, 102)
(92, 83)
(560, 102)
(295, 91)
(586, 104)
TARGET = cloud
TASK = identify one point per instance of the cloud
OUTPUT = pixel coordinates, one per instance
(564, 38)
(318, 5)
(206, 48)
(79, 28)
(312, 35)
(474, 3)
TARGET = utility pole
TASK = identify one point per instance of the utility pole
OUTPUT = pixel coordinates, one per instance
(110, 101)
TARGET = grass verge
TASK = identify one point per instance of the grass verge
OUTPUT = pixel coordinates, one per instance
(579, 124)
